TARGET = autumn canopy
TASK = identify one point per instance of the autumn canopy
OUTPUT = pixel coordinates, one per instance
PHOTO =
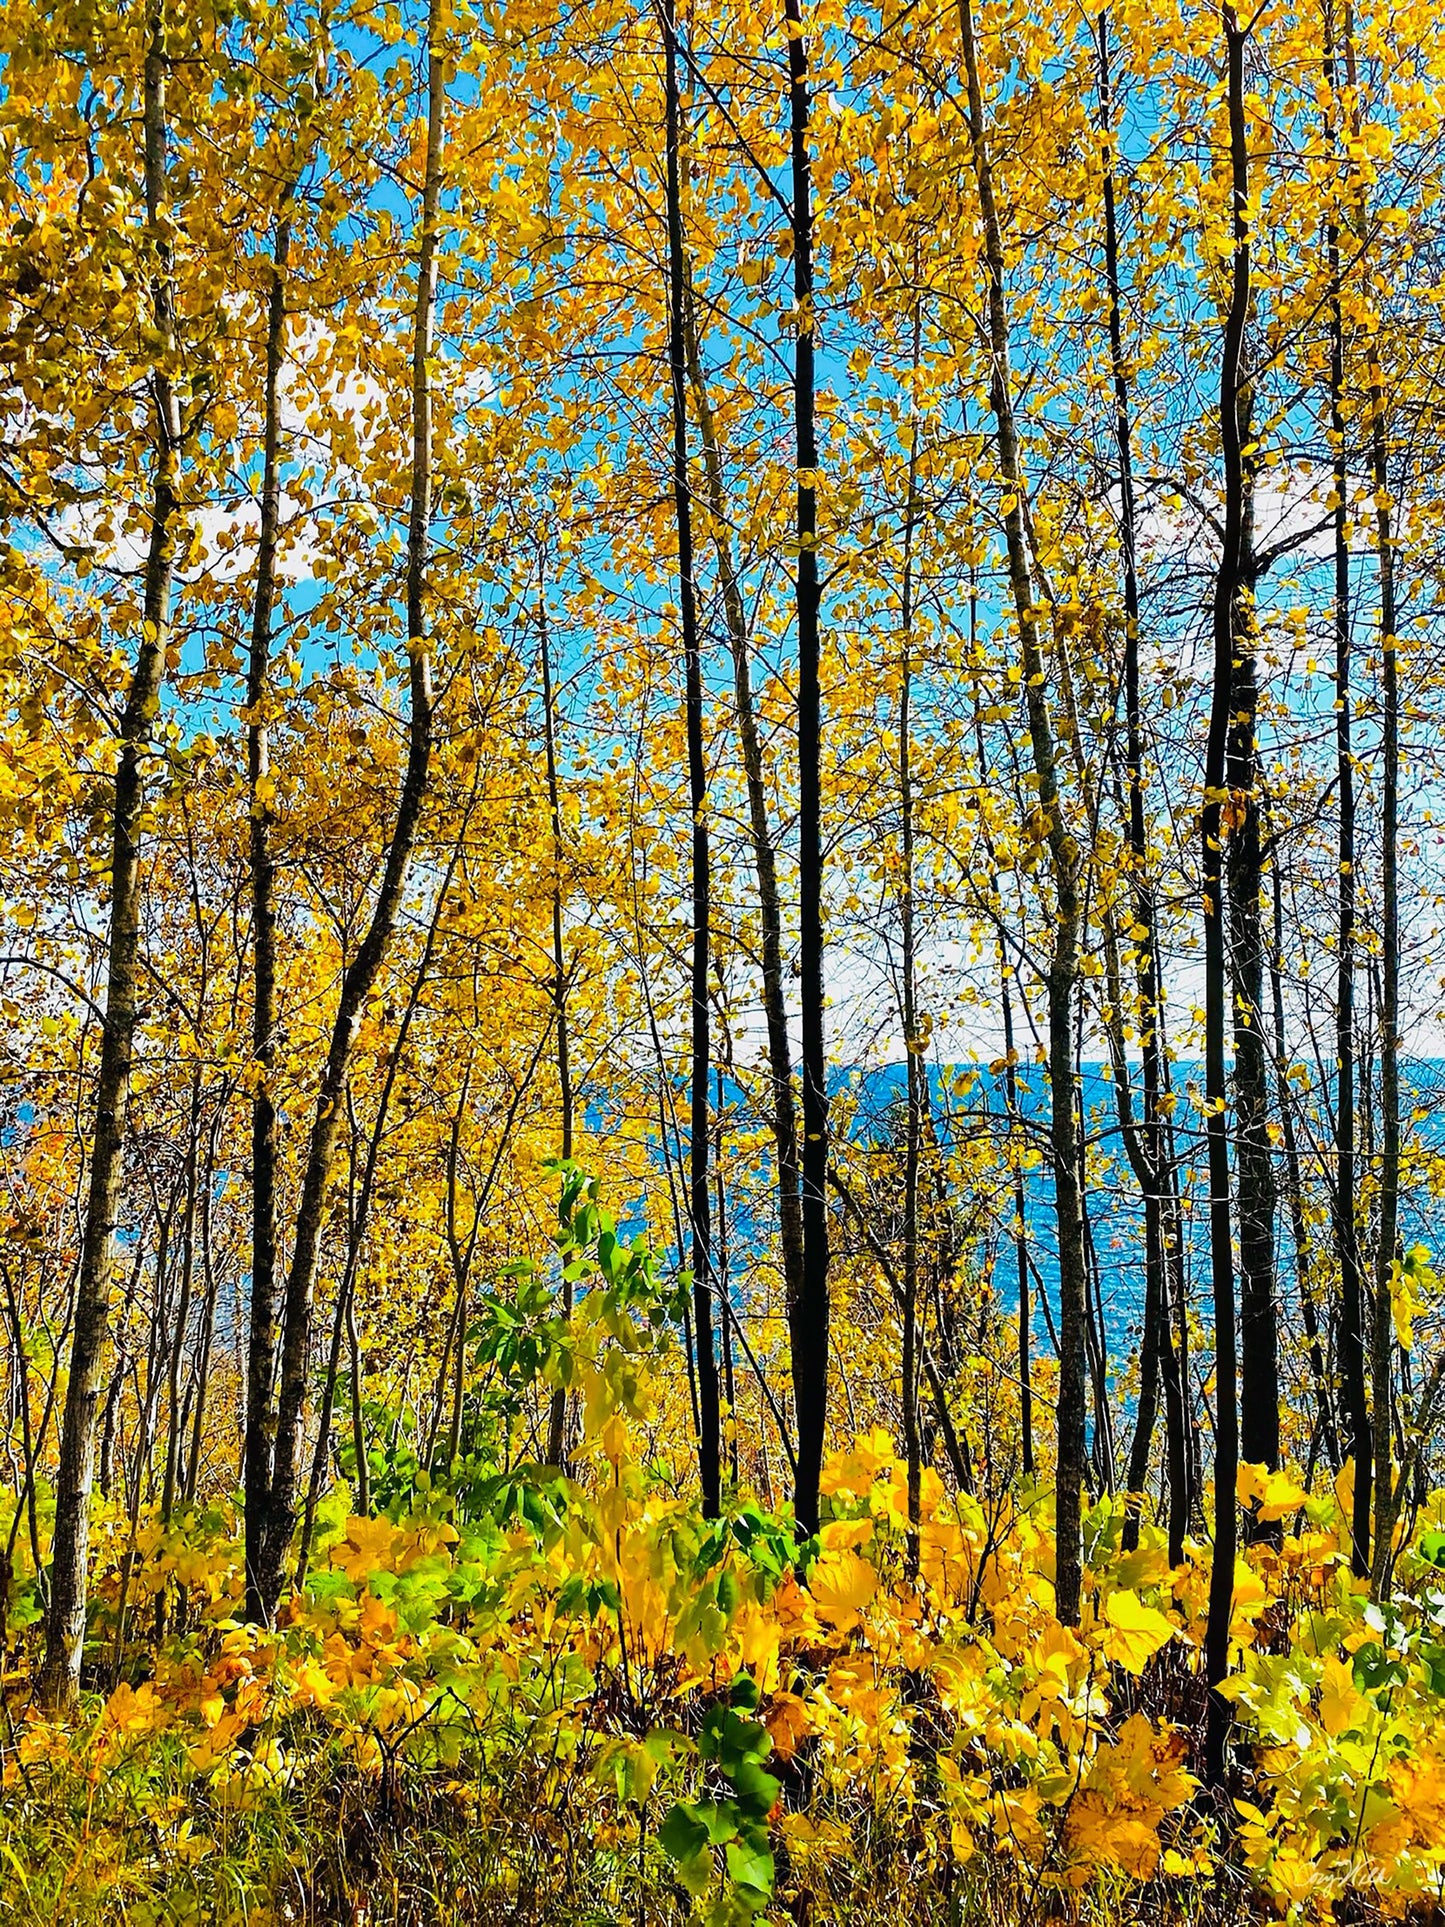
(721, 1080)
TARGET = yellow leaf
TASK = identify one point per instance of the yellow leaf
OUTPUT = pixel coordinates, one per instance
(1135, 1631)
(787, 1722)
(841, 1585)
(132, 1711)
(368, 1547)
(1275, 1493)
(1339, 1701)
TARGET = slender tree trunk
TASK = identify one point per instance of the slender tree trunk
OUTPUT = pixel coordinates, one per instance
(1158, 1362)
(770, 913)
(264, 1309)
(1376, 1494)
(201, 1383)
(1383, 1336)
(59, 1681)
(1212, 834)
(916, 1072)
(1294, 1194)
(699, 1192)
(1021, 1245)
(183, 1309)
(727, 1313)
(344, 1317)
(557, 1414)
(30, 1445)
(1064, 864)
(810, 1341)
(1258, 1320)
(364, 969)
(1343, 1219)
(1095, 1332)
(265, 1132)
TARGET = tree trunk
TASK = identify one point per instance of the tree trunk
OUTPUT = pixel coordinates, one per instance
(1343, 1220)
(1294, 1194)
(364, 969)
(770, 914)
(183, 1309)
(810, 1340)
(1212, 833)
(1158, 1360)
(916, 1072)
(699, 1194)
(1258, 1320)
(1021, 1245)
(59, 1682)
(557, 1414)
(1383, 1335)
(265, 1132)
(1064, 865)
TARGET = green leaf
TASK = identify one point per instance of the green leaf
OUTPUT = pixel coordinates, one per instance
(745, 1693)
(683, 1834)
(752, 1871)
(755, 1790)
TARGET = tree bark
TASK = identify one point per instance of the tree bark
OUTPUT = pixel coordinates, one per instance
(1158, 1361)
(1294, 1195)
(770, 914)
(557, 1413)
(1383, 1336)
(1064, 864)
(810, 1338)
(1212, 834)
(699, 1145)
(364, 969)
(1020, 1240)
(1258, 1320)
(1343, 1219)
(915, 1069)
(59, 1681)
(265, 1133)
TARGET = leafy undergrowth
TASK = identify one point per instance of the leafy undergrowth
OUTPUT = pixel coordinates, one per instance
(591, 1704)
(518, 1696)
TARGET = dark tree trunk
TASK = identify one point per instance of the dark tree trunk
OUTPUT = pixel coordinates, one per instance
(1344, 1222)
(364, 969)
(721, 1267)
(1158, 1361)
(1020, 1240)
(699, 1194)
(557, 1411)
(810, 1334)
(265, 1136)
(1383, 1335)
(1064, 865)
(916, 1072)
(59, 1681)
(1258, 1321)
(1294, 1195)
(1212, 833)
(770, 913)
